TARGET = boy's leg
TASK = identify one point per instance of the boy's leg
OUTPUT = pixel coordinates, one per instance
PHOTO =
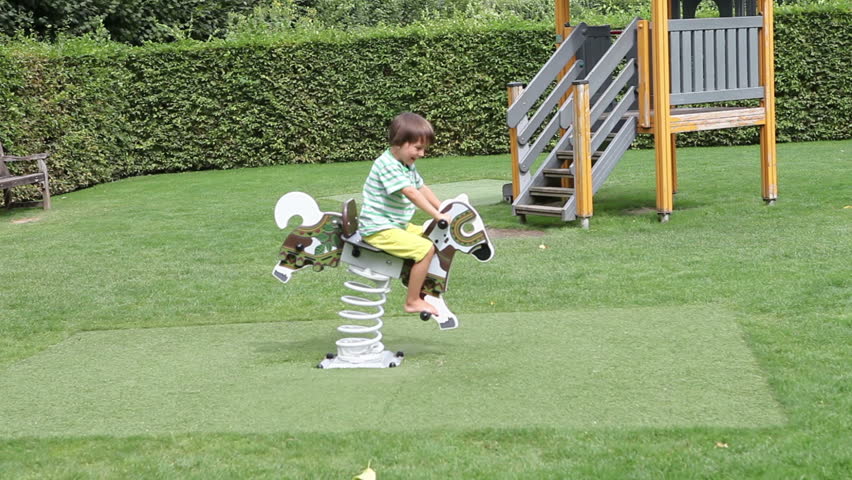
(413, 302)
(409, 244)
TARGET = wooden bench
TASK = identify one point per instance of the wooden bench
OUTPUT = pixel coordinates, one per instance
(9, 180)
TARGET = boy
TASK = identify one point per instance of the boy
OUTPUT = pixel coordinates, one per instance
(392, 191)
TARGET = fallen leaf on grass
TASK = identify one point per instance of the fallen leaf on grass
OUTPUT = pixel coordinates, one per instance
(721, 445)
(847, 206)
(367, 474)
(542, 246)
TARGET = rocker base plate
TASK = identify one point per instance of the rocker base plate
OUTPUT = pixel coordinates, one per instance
(386, 360)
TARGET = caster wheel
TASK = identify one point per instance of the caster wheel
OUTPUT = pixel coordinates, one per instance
(425, 316)
(770, 203)
(392, 365)
(319, 365)
(400, 354)
(664, 218)
(330, 356)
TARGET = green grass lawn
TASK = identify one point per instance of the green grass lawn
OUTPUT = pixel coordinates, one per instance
(142, 335)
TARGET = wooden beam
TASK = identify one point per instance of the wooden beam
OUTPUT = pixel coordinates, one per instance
(662, 89)
(693, 122)
(713, 119)
(644, 68)
(674, 162)
(583, 149)
(563, 16)
(563, 19)
(514, 90)
(766, 55)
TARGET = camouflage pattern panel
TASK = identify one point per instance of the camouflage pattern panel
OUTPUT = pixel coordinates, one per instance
(318, 245)
(434, 286)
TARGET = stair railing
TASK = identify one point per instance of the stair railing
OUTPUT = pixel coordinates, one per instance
(593, 123)
(524, 145)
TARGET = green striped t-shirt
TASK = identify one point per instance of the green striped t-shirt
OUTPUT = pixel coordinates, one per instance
(384, 205)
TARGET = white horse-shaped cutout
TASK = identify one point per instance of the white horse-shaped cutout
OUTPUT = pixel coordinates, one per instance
(324, 239)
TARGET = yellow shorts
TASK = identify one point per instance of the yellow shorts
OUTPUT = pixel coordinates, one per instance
(409, 243)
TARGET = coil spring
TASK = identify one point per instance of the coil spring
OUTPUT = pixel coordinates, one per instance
(363, 349)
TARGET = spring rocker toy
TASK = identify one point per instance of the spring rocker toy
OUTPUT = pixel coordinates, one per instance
(325, 239)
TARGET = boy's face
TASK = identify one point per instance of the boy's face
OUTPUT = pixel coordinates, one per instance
(408, 153)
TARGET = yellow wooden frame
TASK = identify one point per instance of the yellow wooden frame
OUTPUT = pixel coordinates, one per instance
(766, 55)
(662, 107)
(583, 150)
(513, 92)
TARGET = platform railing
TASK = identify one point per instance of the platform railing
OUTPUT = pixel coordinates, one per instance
(715, 59)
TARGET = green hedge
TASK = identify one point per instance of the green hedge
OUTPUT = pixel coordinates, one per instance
(111, 112)
(131, 21)
(197, 106)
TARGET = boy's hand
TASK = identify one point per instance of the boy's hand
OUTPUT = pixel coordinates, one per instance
(443, 216)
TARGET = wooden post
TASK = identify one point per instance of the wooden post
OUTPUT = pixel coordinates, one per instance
(644, 60)
(766, 53)
(662, 113)
(583, 150)
(674, 163)
(563, 18)
(514, 90)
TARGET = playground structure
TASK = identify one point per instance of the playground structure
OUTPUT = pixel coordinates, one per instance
(594, 95)
(325, 239)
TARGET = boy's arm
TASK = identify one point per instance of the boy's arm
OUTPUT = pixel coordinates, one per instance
(422, 202)
(430, 196)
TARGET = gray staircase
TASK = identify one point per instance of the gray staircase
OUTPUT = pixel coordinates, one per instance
(551, 192)
(609, 69)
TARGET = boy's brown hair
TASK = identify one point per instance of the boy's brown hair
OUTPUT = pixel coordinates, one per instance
(409, 127)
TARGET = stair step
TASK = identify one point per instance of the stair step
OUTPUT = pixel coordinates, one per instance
(552, 191)
(568, 155)
(538, 210)
(558, 172)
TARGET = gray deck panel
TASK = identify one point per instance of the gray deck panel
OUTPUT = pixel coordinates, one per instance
(717, 96)
(731, 64)
(698, 62)
(753, 58)
(710, 60)
(742, 58)
(675, 64)
(691, 24)
(686, 61)
(721, 59)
